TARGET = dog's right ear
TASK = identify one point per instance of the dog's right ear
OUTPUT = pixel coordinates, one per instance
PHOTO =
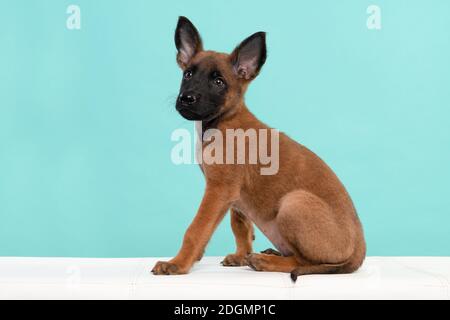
(187, 41)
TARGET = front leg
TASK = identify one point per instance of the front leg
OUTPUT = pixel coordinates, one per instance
(216, 202)
(243, 232)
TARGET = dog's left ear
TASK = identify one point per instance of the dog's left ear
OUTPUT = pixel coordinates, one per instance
(249, 56)
(187, 41)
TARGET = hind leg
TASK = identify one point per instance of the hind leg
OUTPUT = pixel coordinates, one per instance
(274, 263)
(270, 262)
(321, 241)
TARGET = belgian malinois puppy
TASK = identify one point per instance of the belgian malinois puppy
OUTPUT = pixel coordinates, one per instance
(303, 209)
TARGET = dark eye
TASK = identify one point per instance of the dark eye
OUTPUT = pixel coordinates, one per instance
(219, 82)
(187, 74)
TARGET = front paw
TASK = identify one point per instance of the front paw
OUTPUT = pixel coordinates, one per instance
(234, 260)
(167, 268)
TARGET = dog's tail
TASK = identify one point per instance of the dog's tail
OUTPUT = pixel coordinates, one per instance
(318, 269)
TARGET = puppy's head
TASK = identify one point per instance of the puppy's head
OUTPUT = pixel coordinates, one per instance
(213, 83)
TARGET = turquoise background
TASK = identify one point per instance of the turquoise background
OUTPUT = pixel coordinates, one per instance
(86, 118)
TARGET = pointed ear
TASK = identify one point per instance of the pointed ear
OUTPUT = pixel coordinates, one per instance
(249, 56)
(187, 41)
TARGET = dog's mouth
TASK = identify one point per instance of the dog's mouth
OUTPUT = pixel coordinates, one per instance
(189, 114)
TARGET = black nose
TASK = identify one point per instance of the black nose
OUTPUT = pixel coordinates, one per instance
(188, 99)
